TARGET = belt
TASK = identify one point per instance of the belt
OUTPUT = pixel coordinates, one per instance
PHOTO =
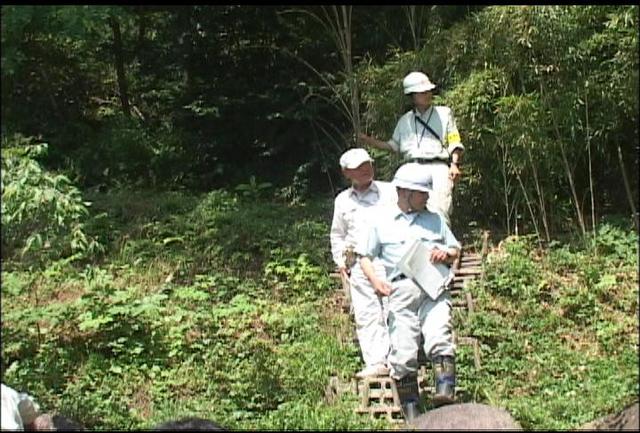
(426, 160)
(398, 278)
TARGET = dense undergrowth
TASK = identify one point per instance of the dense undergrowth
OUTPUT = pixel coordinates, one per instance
(221, 307)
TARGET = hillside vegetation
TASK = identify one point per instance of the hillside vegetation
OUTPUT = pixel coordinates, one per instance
(168, 175)
(221, 306)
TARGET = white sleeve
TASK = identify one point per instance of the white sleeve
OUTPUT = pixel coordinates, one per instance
(10, 418)
(453, 135)
(338, 235)
(394, 141)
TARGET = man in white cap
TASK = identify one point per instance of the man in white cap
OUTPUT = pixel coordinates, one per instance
(427, 134)
(353, 208)
(411, 310)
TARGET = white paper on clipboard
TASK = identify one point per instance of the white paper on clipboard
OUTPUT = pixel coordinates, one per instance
(432, 278)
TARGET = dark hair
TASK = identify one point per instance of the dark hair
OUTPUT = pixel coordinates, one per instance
(191, 423)
(63, 423)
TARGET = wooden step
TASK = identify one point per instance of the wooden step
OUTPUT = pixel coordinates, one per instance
(468, 271)
(475, 258)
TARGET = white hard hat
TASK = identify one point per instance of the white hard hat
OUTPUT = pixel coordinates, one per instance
(353, 158)
(417, 82)
(413, 176)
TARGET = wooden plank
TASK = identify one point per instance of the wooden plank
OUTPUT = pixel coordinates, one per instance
(396, 396)
(379, 409)
(468, 271)
(364, 401)
(463, 280)
(473, 258)
(470, 305)
(380, 393)
(465, 277)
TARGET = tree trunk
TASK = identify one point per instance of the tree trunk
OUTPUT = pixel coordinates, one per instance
(505, 183)
(54, 104)
(627, 187)
(341, 32)
(541, 201)
(415, 19)
(119, 64)
(576, 202)
(591, 192)
(530, 207)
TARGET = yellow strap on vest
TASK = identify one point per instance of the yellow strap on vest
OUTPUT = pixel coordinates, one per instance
(453, 137)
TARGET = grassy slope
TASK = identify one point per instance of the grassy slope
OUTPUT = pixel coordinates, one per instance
(214, 307)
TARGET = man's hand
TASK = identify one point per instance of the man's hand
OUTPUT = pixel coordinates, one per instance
(455, 173)
(439, 256)
(381, 287)
(373, 142)
(344, 272)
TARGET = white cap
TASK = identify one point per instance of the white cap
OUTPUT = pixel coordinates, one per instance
(414, 176)
(353, 158)
(417, 82)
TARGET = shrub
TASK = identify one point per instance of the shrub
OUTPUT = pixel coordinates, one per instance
(42, 213)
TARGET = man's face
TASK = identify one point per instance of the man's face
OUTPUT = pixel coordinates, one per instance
(417, 200)
(361, 175)
(422, 99)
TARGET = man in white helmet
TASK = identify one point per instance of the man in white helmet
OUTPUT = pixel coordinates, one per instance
(411, 311)
(353, 208)
(428, 135)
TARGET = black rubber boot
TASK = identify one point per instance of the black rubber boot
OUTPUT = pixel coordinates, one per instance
(409, 396)
(444, 377)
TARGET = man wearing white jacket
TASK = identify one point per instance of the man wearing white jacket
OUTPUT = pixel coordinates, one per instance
(353, 208)
(427, 135)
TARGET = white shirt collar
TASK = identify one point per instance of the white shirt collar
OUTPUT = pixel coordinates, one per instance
(371, 188)
(424, 115)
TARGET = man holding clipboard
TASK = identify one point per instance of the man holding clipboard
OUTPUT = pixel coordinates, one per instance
(392, 238)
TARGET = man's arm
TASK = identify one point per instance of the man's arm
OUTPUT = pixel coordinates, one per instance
(455, 148)
(380, 286)
(337, 236)
(367, 246)
(374, 142)
(449, 250)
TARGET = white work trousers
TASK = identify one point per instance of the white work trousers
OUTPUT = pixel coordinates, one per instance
(370, 311)
(440, 199)
(412, 312)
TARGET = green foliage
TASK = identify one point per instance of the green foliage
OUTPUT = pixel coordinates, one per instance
(296, 278)
(214, 304)
(253, 189)
(119, 153)
(615, 243)
(43, 213)
(559, 346)
(217, 307)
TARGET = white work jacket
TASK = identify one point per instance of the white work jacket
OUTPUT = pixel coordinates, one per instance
(352, 212)
(437, 141)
